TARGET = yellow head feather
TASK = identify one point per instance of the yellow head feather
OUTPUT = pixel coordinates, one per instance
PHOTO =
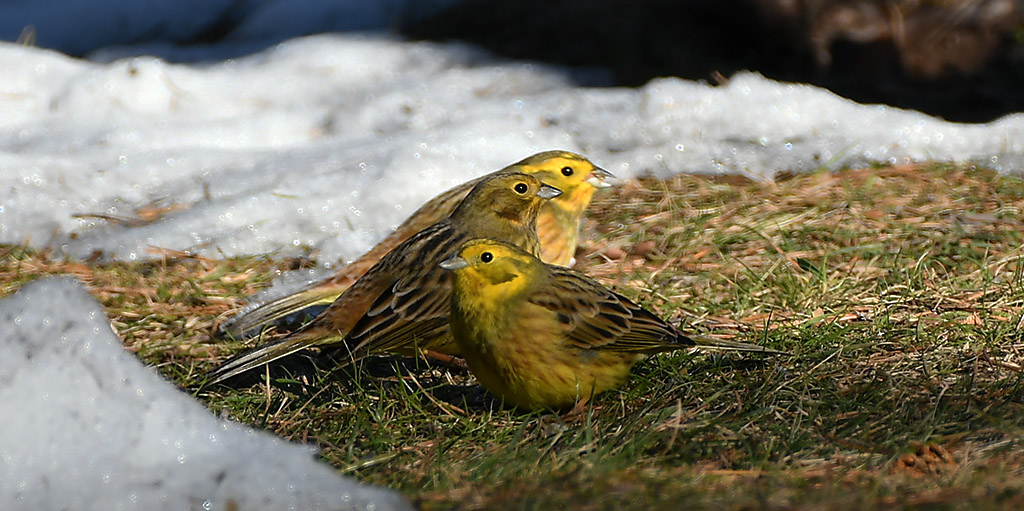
(512, 195)
(570, 172)
(492, 268)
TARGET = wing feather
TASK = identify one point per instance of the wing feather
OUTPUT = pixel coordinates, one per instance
(415, 307)
(599, 318)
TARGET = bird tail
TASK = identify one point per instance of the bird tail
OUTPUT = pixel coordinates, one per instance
(280, 348)
(268, 312)
(705, 342)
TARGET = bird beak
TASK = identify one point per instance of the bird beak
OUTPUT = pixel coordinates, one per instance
(454, 263)
(601, 178)
(548, 192)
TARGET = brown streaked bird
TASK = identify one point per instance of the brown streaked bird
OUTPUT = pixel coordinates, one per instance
(558, 228)
(543, 336)
(403, 302)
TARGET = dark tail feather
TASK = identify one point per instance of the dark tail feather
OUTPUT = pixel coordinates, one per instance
(711, 343)
(273, 310)
(268, 353)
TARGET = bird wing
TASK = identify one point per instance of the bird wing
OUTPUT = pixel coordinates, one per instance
(598, 318)
(401, 300)
(415, 308)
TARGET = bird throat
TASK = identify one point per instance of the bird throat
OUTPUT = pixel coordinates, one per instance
(520, 226)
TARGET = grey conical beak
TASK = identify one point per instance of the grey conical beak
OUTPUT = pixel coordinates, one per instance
(454, 263)
(548, 192)
(601, 178)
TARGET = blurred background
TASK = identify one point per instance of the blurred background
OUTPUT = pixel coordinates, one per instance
(962, 60)
(958, 59)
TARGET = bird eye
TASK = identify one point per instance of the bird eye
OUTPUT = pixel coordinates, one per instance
(566, 171)
(486, 257)
(519, 188)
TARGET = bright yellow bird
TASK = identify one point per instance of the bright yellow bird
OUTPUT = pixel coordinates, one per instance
(558, 225)
(543, 336)
(403, 301)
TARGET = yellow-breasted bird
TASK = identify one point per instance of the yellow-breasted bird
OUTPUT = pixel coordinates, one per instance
(403, 301)
(558, 225)
(543, 336)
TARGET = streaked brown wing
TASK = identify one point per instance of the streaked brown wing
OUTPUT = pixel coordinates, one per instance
(598, 318)
(415, 308)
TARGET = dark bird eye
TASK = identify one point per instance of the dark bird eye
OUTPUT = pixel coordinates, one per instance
(486, 257)
(566, 171)
(520, 188)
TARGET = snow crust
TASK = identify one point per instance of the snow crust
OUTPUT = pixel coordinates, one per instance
(86, 426)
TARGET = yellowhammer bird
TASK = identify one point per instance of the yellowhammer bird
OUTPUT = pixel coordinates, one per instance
(558, 225)
(543, 336)
(403, 301)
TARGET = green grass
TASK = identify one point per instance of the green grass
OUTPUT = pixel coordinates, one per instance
(898, 290)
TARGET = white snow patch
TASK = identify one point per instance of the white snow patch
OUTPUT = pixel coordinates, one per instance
(86, 426)
(328, 142)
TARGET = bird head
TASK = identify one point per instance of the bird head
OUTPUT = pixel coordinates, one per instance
(492, 267)
(572, 173)
(513, 196)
